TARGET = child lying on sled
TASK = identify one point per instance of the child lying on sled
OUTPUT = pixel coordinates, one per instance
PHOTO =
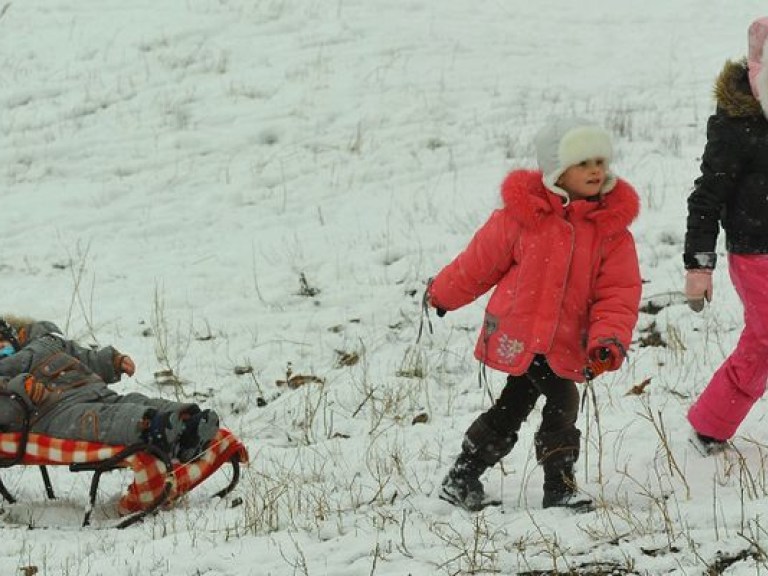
(64, 388)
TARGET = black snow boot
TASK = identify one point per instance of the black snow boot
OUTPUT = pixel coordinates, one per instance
(162, 430)
(560, 489)
(183, 433)
(199, 430)
(557, 454)
(462, 486)
(569, 498)
(708, 446)
(481, 449)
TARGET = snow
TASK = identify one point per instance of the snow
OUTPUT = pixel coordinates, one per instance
(178, 176)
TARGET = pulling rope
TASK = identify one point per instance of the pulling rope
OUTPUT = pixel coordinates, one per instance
(425, 313)
(482, 374)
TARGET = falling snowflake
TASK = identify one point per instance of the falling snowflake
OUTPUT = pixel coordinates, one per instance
(508, 349)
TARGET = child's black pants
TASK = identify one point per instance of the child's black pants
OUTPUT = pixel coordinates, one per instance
(494, 433)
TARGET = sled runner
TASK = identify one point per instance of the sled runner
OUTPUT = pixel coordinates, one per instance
(158, 480)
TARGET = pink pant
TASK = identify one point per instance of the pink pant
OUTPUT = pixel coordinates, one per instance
(741, 379)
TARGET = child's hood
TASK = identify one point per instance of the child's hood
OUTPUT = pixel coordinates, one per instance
(528, 201)
(733, 93)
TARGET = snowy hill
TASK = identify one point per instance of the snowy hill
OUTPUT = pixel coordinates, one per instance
(247, 191)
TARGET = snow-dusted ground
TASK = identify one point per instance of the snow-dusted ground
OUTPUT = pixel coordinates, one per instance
(215, 186)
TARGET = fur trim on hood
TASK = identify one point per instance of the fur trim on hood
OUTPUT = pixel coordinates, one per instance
(733, 92)
(20, 324)
(525, 195)
(17, 322)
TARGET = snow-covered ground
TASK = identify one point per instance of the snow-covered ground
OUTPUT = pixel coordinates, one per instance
(242, 190)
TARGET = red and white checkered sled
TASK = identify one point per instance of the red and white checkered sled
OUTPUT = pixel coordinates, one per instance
(153, 486)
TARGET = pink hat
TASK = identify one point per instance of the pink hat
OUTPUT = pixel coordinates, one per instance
(756, 58)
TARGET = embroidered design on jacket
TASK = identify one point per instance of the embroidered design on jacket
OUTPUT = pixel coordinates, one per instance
(508, 349)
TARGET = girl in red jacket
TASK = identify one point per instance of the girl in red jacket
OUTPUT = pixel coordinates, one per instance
(567, 291)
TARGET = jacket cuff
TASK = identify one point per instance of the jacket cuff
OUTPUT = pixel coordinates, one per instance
(700, 260)
(107, 369)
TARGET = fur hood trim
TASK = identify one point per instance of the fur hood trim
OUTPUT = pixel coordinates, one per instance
(733, 93)
(526, 197)
(18, 322)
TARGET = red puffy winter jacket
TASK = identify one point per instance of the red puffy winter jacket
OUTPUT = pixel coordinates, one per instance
(567, 277)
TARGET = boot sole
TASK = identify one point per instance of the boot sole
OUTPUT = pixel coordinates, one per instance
(577, 507)
(451, 499)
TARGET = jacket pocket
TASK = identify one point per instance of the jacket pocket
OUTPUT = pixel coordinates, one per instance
(61, 372)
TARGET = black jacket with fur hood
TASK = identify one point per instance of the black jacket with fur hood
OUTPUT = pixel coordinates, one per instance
(733, 187)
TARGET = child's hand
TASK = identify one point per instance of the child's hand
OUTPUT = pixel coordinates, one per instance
(698, 288)
(602, 359)
(127, 365)
(36, 390)
(124, 364)
(430, 301)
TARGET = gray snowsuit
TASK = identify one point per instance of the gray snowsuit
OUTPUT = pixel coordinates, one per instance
(77, 403)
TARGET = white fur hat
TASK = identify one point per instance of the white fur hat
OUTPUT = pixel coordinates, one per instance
(564, 142)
